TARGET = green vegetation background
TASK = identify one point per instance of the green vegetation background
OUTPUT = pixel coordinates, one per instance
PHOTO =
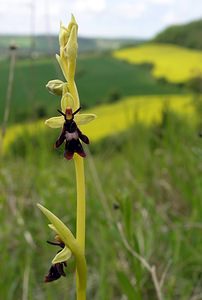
(146, 180)
(109, 80)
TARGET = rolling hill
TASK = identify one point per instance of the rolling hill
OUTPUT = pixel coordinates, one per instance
(186, 35)
(114, 118)
(114, 80)
(48, 44)
(170, 62)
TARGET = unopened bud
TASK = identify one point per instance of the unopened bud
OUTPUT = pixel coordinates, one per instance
(66, 31)
(63, 36)
(55, 87)
(72, 46)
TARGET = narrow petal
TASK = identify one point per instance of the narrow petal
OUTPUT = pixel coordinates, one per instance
(63, 231)
(59, 61)
(73, 20)
(62, 256)
(51, 226)
(62, 66)
(63, 35)
(70, 25)
(72, 46)
(55, 122)
(67, 100)
(82, 119)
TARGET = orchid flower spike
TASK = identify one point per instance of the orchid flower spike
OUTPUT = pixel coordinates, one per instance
(80, 119)
(69, 120)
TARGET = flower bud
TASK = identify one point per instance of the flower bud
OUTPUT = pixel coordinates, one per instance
(55, 87)
(66, 31)
(63, 36)
(72, 46)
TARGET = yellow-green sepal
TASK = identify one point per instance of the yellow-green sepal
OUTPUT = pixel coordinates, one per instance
(55, 122)
(82, 119)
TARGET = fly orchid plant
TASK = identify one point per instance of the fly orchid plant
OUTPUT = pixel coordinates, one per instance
(72, 136)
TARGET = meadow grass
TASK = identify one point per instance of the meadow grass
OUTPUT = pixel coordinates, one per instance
(174, 63)
(147, 180)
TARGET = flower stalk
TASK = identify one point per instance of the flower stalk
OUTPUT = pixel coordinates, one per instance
(71, 135)
(81, 202)
(79, 165)
(81, 217)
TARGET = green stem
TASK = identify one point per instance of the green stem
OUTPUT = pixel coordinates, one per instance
(9, 91)
(80, 184)
(81, 295)
(81, 216)
(81, 205)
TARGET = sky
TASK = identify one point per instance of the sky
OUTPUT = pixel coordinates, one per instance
(97, 18)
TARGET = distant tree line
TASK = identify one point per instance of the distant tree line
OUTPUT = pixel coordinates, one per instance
(187, 35)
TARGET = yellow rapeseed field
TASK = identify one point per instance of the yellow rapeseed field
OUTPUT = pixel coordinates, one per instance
(176, 64)
(117, 117)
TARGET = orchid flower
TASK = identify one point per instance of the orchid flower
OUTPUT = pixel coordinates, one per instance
(69, 120)
(70, 134)
(70, 245)
(80, 119)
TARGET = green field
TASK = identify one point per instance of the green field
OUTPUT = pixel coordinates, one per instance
(111, 118)
(174, 63)
(114, 80)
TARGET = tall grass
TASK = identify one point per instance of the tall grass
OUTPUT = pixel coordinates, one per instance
(146, 181)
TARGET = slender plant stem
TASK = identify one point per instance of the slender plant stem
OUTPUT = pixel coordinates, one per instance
(81, 216)
(81, 202)
(9, 91)
(81, 205)
(81, 294)
(80, 179)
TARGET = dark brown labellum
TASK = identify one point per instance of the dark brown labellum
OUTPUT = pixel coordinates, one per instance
(56, 270)
(71, 135)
